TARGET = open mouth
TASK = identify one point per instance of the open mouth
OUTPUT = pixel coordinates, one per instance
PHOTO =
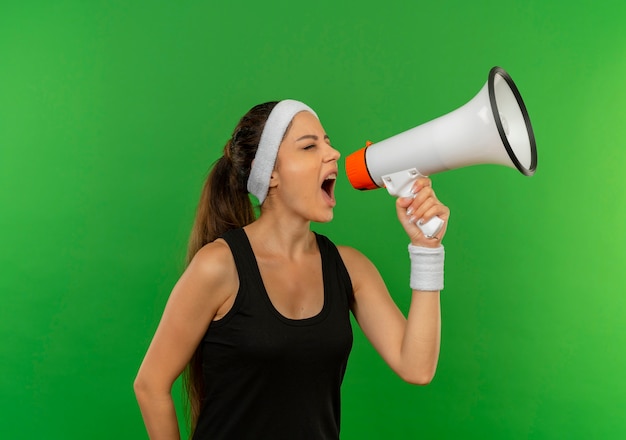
(328, 185)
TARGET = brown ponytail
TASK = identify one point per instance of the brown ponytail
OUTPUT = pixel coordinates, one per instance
(224, 204)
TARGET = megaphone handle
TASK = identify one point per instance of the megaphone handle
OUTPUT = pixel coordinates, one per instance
(431, 227)
(399, 185)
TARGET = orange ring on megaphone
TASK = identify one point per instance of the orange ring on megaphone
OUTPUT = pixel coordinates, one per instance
(357, 172)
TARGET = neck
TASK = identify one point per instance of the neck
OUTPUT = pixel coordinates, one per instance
(276, 234)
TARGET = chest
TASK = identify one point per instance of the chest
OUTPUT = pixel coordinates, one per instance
(294, 312)
(295, 289)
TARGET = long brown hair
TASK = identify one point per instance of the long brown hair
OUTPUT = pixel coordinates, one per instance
(224, 204)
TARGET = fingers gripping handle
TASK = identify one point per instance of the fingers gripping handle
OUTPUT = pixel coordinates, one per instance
(399, 185)
(431, 227)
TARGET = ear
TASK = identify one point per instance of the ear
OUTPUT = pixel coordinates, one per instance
(274, 179)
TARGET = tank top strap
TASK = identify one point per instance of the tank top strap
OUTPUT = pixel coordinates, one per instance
(334, 267)
(245, 260)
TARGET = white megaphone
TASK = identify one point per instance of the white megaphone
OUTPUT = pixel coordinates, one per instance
(492, 128)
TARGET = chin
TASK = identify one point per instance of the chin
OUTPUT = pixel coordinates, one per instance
(323, 219)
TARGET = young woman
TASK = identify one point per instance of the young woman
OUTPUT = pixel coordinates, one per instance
(260, 319)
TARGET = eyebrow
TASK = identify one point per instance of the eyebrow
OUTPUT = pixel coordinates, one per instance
(312, 136)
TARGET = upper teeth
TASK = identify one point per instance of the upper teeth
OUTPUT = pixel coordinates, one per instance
(331, 176)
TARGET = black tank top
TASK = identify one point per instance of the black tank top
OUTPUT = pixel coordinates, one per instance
(271, 377)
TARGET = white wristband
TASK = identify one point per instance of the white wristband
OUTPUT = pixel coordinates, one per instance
(426, 268)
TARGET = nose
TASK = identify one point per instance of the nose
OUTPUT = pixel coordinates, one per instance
(332, 154)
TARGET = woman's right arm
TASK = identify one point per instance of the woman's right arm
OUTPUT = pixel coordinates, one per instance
(209, 282)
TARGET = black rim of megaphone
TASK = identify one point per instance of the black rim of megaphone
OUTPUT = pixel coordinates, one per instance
(494, 108)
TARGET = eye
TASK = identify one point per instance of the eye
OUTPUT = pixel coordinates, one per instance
(308, 147)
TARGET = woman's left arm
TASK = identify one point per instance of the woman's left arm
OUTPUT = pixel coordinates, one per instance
(409, 345)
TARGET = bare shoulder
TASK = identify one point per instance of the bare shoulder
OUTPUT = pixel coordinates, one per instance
(214, 260)
(359, 266)
(353, 257)
(211, 277)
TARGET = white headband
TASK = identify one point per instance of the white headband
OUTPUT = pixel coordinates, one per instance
(275, 127)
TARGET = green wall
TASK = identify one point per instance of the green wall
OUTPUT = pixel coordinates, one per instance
(111, 113)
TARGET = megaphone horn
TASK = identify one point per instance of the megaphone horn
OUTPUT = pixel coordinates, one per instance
(492, 128)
